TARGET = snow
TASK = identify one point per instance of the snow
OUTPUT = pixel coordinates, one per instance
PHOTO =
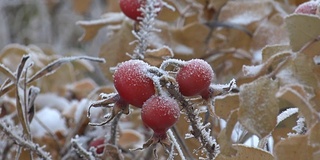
(51, 118)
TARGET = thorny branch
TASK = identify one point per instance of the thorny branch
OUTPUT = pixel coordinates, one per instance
(206, 140)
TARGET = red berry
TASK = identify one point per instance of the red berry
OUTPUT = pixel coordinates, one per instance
(98, 144)
(132, 83)
(309, 7)
(131, 8)
(194, 77)
(160, 113)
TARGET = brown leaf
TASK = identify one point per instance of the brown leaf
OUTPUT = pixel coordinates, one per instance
(296, 148)
(114, 50)
(224, 137)
(269, 33)
(130, 138)
(224, 105)
(297, 96)
(259, 106)
(247, 153)
(302, 29)
(92, 27)
(81, 6)
(155, 57)
(270, 50)
(246, 12)
(314, 135)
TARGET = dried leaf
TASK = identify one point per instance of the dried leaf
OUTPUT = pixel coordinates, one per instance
(81, 6)
(113, 151)
(269, 50)
(247, 153)
(302, 29)
(314, 135)
(246, 12)
(259, 106)
(130, 138)
(155, 57)
(92, 27)
(295, 147)
(224, 138)
(269, 33)
(224, 105)
(114, 51)
(297, 96)
(299, 69)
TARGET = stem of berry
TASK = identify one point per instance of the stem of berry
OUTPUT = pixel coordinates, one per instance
(199, 132)
(149, 13)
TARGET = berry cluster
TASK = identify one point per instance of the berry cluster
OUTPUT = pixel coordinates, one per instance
(144, 86)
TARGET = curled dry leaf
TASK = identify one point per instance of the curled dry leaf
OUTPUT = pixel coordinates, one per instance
(155, 57)
(246, 153)
(92, 27)
(259, 106)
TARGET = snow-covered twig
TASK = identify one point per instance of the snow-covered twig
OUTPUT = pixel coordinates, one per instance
(176, 144)
(149, 13)
(81, 150)
(24, 143)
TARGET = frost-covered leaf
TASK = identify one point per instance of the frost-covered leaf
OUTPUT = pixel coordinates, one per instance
(298, 97)
(270, 50)
(259, 106)
(247, 153)
(258, 70)
(155, 57)
(246, 12)
(223, 105)
(295, 147)
(92, 27)
(301, 70)
(188, 42)
(224, 137)
(302, 29)
(269, 33)
(113, 151)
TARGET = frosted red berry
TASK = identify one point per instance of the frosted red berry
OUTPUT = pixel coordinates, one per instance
(131, 8)
(194, 77)
(309, 7)
(160, 113)
(98, 144)
(132, 83)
